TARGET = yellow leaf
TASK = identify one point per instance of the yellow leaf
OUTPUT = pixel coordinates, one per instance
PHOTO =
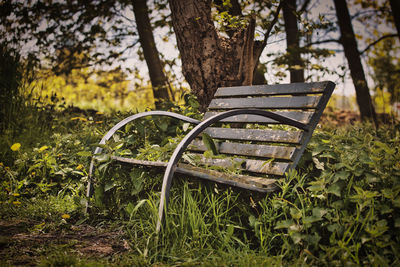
(65, 216)
(15, 147)
(43, 148)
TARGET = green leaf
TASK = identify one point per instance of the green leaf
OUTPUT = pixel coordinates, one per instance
(163, 125)
(284, 224)
(319, 165)
(311, 219)
(318, 212)
(296, 237)
(342, 175)
(108, 186)
(185, 126)
(79, 222)
(334, 228)
(316, 188)
(84, 153)
(295, 213)
(335, 189)
(129, 208)
(209, 143)
(397, 223)
(99, 195)
(396, 202)
(102, 158)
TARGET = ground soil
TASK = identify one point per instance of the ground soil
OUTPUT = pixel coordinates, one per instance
(21, 245)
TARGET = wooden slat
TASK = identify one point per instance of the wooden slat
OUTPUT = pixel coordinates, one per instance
(267, 135)
(140, 162)
(248, 182)
(303, 117)
(276, 89)
(295, 102)
(264, 151)
(243, 181)
(250, 165)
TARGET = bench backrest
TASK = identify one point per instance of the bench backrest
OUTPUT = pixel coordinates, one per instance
(251, 139)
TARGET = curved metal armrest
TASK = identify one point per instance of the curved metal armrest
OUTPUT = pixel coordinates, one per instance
(123, 123)
(169, 172)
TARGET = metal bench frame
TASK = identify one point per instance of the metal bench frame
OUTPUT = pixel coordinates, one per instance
(172, 166)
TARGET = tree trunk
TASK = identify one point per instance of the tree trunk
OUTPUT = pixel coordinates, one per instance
(395, 6)
(292, 41)
(209, 60)
(352, 54)
(146, 38)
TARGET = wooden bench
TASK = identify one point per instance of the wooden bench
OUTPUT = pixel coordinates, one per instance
(251, 125)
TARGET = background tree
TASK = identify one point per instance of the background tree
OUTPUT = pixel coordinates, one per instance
(296, 66)
(151, 55)
(215, 38)
(210, 60)
(395, 7)
(352, 54)
(99, 28)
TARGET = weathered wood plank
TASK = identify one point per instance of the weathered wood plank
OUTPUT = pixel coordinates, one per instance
(262, 135)
(250, 165)
(275, 89)
(295, 102)
(263, 151)
(243, 181)
(303, 117)
(248, 182)
(140, 162)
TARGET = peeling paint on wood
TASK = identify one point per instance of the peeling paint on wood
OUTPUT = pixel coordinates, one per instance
(263, 135)
(295, 102)
(263, 151)
(250, 165)
(303, 117)
(276, 89)
(243, 181)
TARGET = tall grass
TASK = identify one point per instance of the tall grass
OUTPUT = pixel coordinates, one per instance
(11, 99)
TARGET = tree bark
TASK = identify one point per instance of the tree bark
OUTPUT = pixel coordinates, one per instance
(154, 65)
(395, 6)
(209, 60)
(352, 54)
(292, 41)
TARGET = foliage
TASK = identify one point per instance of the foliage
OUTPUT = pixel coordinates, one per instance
(96, 89)
(340, 208)
(386, 66)
(15, 92)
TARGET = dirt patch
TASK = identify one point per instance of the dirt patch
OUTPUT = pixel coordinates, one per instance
(19, 245)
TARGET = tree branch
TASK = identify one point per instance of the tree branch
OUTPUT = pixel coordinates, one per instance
(377, 41)
(323, 42)
(258, 45)
(271, 26)
(304, 6)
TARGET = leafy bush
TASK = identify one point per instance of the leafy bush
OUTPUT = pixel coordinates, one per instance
(343, 207)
